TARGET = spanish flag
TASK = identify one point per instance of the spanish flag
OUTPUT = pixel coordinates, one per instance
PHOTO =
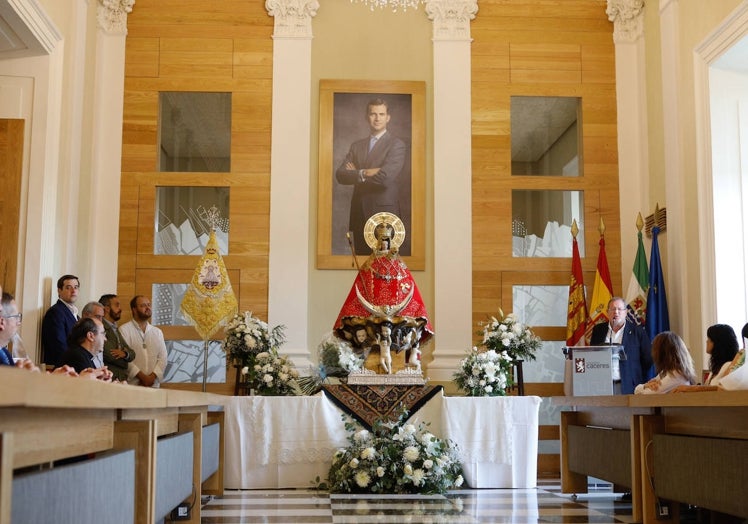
(209, 301)
(602, 289)
(576, 320)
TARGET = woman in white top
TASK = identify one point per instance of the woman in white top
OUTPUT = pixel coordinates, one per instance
(673, 363)
(722, 346)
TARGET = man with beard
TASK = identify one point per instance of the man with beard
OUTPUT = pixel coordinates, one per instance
(636, 344)
(117, 353)
(147, 369)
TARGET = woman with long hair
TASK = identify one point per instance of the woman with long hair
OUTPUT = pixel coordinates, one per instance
(722, 346)
(673, 364)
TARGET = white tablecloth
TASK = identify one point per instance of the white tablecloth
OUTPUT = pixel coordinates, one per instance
(286, 442)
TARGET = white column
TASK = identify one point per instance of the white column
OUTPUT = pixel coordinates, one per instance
(106, 146)
(677, 263)
(288, 286)
(31, 88)
(631, 96)
(453, 305)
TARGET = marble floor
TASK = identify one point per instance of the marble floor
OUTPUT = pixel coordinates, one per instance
(544, 504)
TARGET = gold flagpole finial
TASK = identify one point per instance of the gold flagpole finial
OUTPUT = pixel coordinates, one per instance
(574, 228)
(639, 222)
(601, 227)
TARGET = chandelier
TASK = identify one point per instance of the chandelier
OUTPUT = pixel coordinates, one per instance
(392, 4)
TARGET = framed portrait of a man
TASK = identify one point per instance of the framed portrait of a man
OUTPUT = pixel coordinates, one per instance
(371, 160)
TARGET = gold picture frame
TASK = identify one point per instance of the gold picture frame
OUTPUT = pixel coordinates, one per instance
(343, 121)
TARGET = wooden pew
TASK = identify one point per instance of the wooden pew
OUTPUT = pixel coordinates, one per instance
(46, 418)
(679, 449)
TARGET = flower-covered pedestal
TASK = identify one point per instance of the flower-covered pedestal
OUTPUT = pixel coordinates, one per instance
(495, 367)
(252, 347)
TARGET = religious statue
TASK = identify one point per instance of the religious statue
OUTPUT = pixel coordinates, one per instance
(384, 311)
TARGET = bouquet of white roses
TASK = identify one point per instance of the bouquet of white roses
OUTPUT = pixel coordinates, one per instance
(247, 336)
(271, 374)
(336, 358)
(484, 373)
(395, 457)
(508, 334)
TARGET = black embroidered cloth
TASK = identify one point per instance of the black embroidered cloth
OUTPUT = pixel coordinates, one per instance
(368, 403)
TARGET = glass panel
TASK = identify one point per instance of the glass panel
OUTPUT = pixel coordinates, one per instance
(545, 136)
(186, 359)
(195, 132)
(166, 301)
(545, 306)
(181, 219)
(541, 222)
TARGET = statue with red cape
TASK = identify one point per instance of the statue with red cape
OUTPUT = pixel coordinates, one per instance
(384, 317)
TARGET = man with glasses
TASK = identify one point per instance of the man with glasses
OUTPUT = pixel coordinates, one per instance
(10, 319)
(86, 340)
(636, 344)
(95, 310)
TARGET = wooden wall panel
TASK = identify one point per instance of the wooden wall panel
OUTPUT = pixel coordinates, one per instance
(540, 48)
(191, 45)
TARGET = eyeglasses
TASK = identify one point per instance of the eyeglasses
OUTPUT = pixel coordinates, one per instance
(19, 316)
(616, 309)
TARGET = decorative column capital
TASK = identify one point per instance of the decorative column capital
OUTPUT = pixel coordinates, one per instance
(451, 18)
(112, 15)
(293, 18)
(628, 19)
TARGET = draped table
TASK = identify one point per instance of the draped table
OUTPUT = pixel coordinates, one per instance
(287, 442)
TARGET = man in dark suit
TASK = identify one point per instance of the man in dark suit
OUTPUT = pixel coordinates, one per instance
(372, 165)
(86, 340)
(635, 342)
(59, 320)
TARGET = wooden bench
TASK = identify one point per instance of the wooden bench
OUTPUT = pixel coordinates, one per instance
(47, 418)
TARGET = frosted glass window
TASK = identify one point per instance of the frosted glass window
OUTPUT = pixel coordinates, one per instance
(541, 222)
(195, 132)
(186, 361)
(166, 299)
(541, 305)
(182, 226)
(545, 136)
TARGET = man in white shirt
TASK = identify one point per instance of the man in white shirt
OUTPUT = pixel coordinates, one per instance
(148, 343)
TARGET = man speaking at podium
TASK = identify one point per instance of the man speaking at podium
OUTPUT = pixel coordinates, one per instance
(636, 344)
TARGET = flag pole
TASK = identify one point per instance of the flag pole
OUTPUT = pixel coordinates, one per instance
(205, 365)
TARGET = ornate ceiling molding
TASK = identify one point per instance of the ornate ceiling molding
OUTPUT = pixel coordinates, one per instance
(628, 19)
(293, 18)
(112, 15)
(451, 18)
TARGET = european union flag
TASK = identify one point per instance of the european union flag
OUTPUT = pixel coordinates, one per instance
(657, 319)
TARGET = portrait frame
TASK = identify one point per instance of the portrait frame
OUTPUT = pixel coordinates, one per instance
(342, 121)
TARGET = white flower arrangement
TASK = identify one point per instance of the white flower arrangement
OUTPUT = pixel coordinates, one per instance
(252, 345)
(336, 358)
(508, 334)
(484, 373)
(394, 457)
(488, 371)
(272, 374)
(247, 336)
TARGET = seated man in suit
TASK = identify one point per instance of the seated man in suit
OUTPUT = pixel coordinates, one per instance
(86, 340)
